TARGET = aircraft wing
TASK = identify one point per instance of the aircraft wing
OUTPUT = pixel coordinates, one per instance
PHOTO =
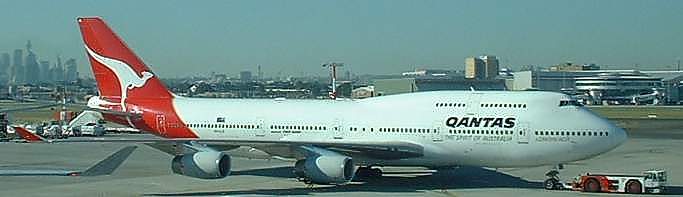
(104, 167)
(285, 148)
(386, 150)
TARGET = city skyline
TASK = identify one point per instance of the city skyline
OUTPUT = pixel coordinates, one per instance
(373, 37)
(31, 68)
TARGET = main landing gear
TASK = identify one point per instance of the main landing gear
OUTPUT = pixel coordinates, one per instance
(368, 172)
(553, 181)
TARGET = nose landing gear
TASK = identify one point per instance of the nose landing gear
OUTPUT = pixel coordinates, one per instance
(553, 182)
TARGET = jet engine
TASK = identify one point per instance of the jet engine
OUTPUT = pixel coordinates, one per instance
(203, 165)
(325, 169)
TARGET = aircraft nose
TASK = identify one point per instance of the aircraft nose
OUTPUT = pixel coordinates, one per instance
(616, 135)
(620, 135)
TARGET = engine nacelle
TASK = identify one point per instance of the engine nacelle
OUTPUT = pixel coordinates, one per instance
(203, 165)
(325, 169)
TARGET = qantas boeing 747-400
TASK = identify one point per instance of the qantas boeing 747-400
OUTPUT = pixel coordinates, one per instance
(334, 140)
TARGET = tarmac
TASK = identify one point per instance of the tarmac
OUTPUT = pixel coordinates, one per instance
(147, 173)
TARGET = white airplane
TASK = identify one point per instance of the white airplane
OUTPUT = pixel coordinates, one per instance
(333, 140)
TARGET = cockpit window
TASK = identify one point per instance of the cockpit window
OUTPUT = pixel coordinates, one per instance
(570, 103)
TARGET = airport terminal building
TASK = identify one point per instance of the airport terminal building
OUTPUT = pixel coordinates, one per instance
(406, 85)
(607, 87)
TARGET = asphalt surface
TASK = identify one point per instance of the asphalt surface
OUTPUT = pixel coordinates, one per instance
(147, 173)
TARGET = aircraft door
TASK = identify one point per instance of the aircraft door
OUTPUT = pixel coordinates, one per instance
(161, 123)
(261, 129)
(523, 133)
(473, 101)
(337, 128)
(437, 132)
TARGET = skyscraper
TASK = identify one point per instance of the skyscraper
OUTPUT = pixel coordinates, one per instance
(17, 70)
(32, 73)
(58, 71)
(245, 76)
(4, 68)
(491, 66)
(45, 72)
(474, 68)
(482, 67)
(71, 70)
(259, 73)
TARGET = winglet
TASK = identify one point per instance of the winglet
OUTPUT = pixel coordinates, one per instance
(27, 135)
(111, 163)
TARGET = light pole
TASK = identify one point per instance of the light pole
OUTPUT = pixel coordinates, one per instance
(333, 69)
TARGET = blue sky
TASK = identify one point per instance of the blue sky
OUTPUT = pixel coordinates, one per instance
(181, 38)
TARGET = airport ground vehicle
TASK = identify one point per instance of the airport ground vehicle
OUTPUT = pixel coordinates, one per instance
(89, 129)
(3, 126)
(651, 182)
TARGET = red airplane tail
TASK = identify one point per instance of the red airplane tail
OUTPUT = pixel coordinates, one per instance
(27, 135)
(121, 76)
(127, 85)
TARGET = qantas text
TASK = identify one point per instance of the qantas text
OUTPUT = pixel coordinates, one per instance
(480, 122)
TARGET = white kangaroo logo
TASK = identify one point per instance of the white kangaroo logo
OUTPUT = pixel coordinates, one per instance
(128, 78)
